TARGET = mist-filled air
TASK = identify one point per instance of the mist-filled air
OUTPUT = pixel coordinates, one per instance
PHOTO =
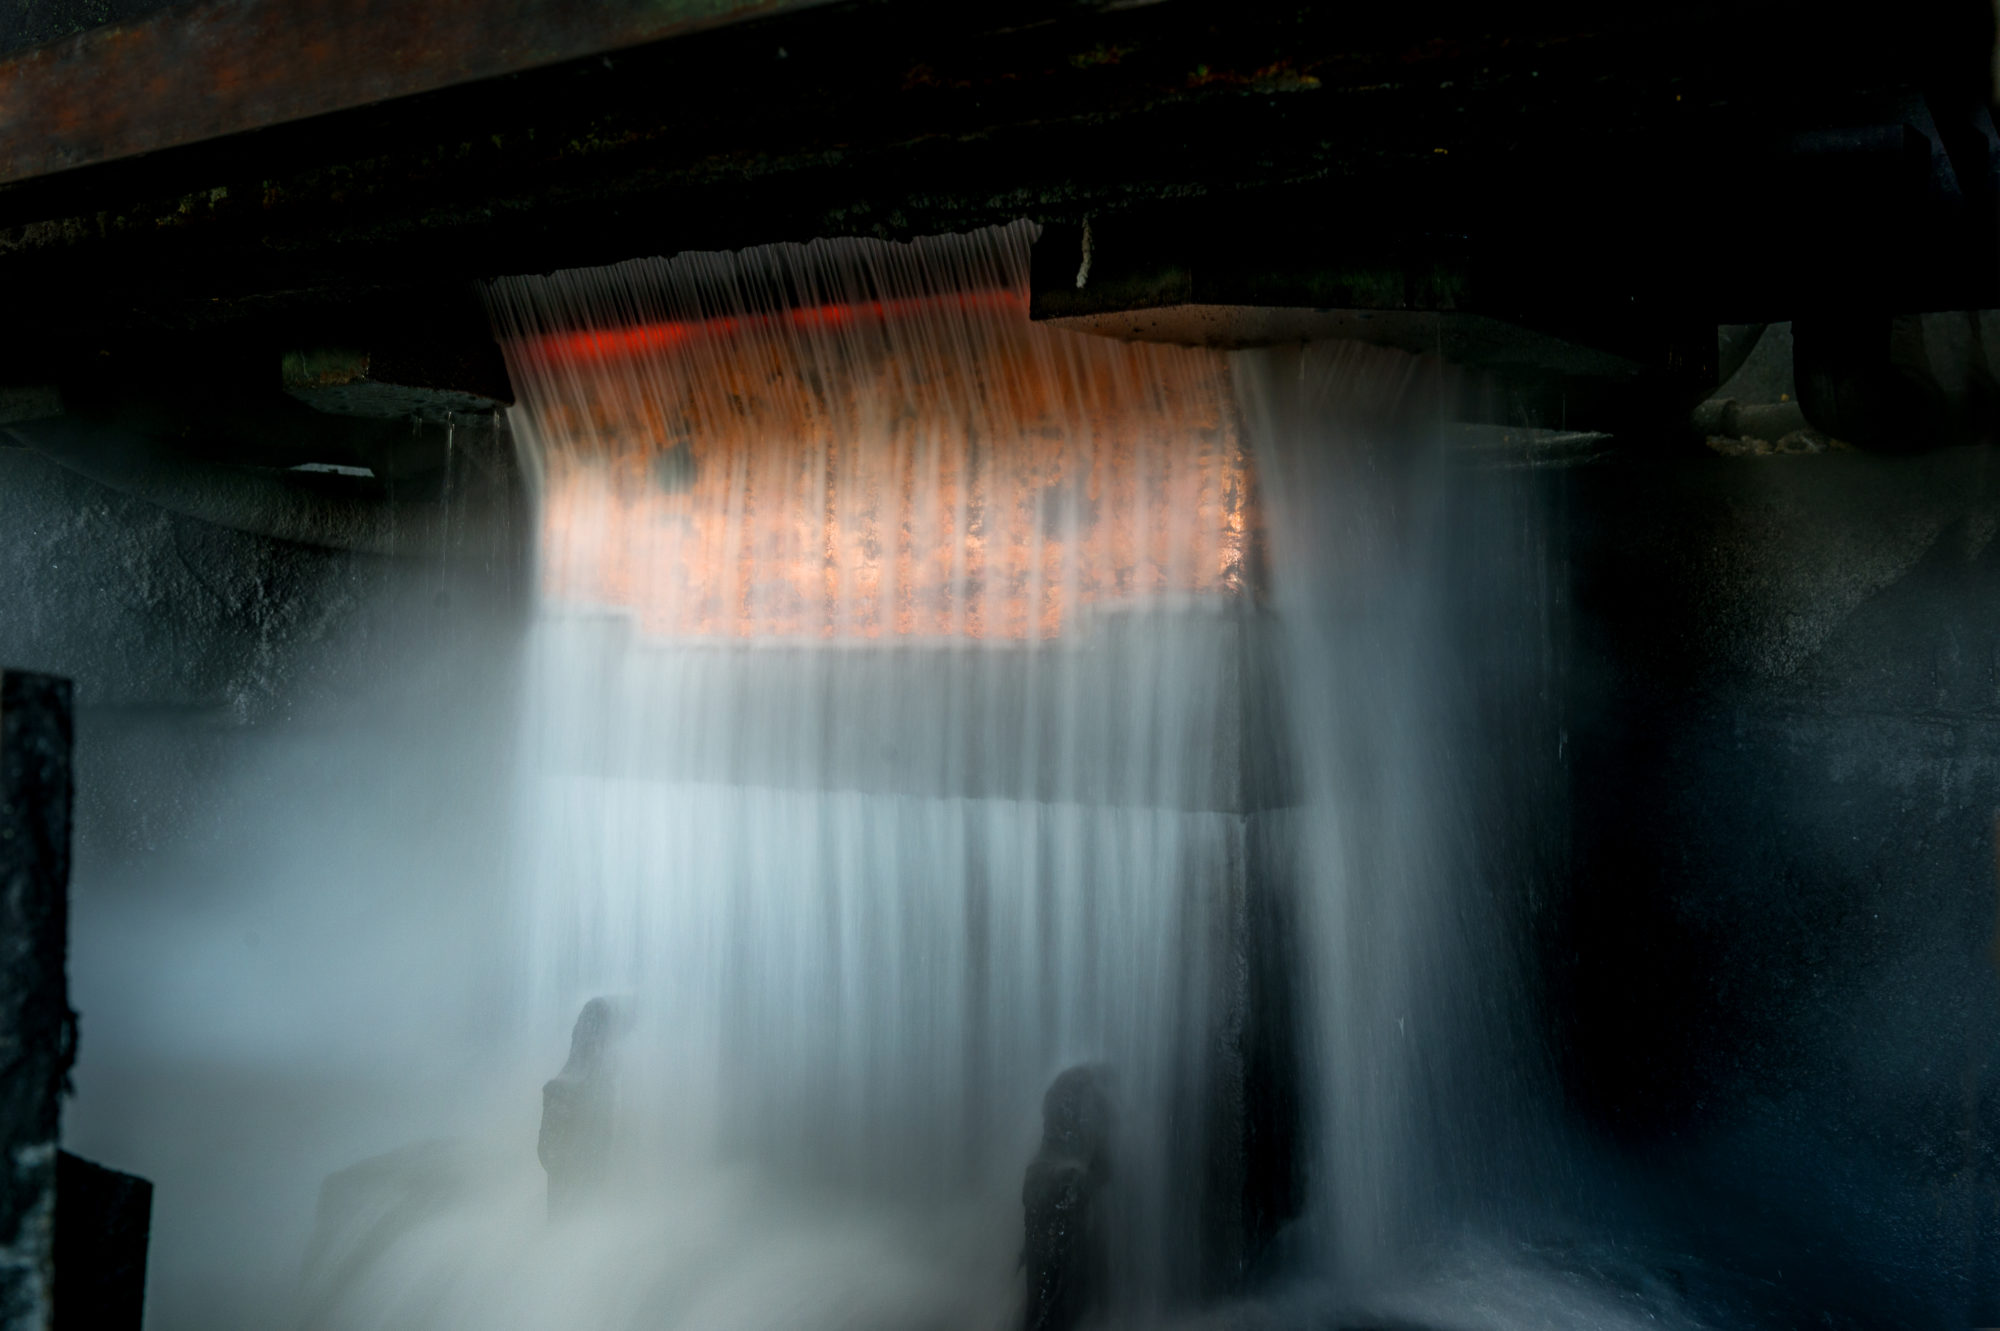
(953, 823)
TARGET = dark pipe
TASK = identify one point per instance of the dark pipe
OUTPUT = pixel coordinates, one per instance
(1729, 419)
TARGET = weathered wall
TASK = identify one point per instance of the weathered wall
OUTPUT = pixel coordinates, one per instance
(1774, 976)
(184, 638)
(178, 635)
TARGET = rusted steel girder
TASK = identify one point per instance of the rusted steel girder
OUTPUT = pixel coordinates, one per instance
(193, 73)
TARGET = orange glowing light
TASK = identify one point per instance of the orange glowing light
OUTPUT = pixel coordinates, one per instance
(936, 466)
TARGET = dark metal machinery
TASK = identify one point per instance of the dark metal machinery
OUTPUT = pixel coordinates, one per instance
(190, 193)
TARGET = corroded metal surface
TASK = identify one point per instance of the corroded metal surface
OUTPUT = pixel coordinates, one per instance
(204, 71)
(710, 474)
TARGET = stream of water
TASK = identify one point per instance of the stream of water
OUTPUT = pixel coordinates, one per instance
(886, 744)
(919, 701)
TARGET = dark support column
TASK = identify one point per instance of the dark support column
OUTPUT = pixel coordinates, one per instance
(37, 1029)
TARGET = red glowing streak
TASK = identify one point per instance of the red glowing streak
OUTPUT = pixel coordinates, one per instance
(598, 345)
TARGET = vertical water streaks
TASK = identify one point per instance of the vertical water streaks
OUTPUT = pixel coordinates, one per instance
(1415, 656)
(885, 736)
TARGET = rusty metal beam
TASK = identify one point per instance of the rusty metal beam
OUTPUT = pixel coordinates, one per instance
(1493, 169)
(194, 73)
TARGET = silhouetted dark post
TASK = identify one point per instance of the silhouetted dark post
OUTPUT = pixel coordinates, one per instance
(1063, 1249)
(36, 1026)
(575, 1145)
(103, 1223)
